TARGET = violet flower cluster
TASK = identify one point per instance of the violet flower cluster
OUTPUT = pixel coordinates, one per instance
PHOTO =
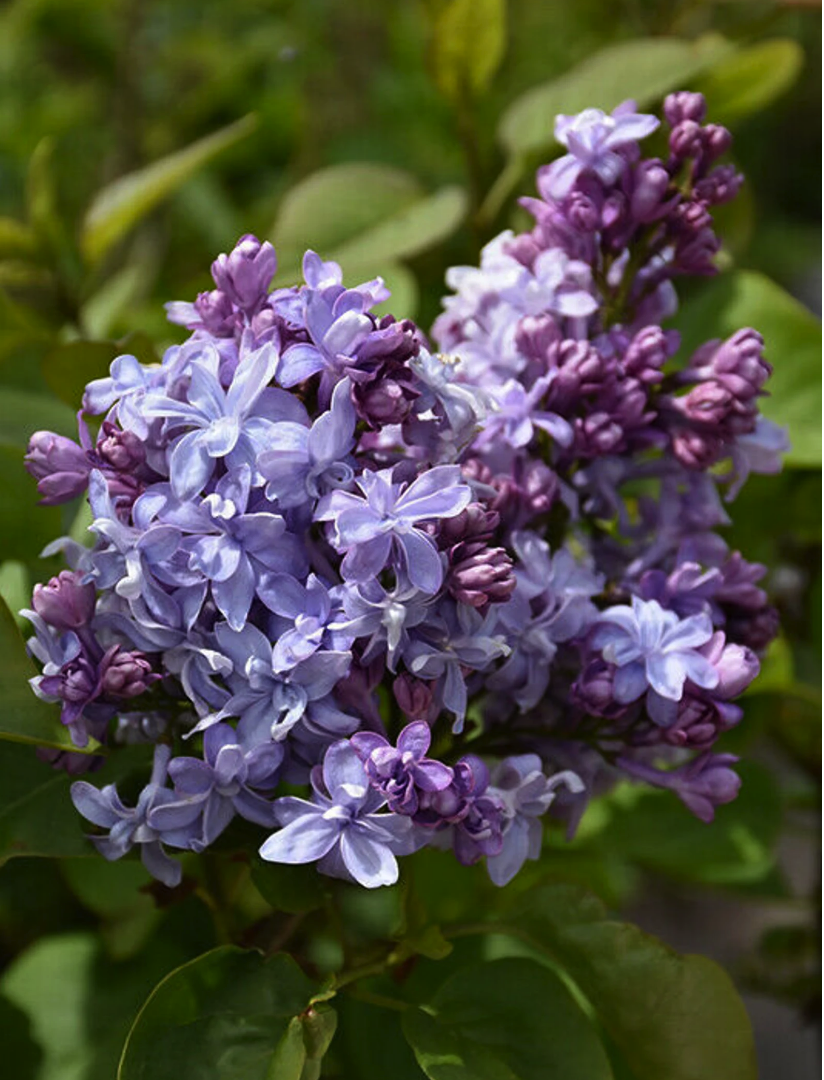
(448, 591)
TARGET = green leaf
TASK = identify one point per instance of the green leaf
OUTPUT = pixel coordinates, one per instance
(16, 239)
(79, 1003)
(751, 79)
(643, 69)
(408, 232)
(334, 205)
(21, 1054)
(118, 207)
(660, 834)
(24, 717)
(510, 1019)
(15, 589)
(67, 368)
(37, 817)
(289, 888)
(671, 1016)
(468, 44)
(22, 413)
(792, 340)
(224, 1015)
(117, 892)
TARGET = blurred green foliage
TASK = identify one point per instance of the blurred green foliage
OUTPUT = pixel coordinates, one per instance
(139, 138)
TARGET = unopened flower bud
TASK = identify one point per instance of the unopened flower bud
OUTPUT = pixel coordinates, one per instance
(245, 274)
(59, 465)
(684, 105)
(65, 602)
(127, 675)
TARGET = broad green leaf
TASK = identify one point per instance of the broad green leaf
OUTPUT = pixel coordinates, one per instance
(22, 413)
(670, 1016)
(224, 1015)
(408, 232)
(21, 1054)
(643, 69)
(371, 1044)
(118, 207)
(79, 1003)
(660, 834)
(24, 717)
(289, 888)
(117, 893)
(510, 1019)
(16, 239)
(468, 43)
(751, 79)
(333, 205)
(15, 590)
(37, 817)
(792, 344)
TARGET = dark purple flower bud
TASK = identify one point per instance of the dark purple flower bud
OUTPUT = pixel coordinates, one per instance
(59, 465)
(754, 629)
(126, 674)
(413, 696)
(68, 761)
(739, 365)
(716, 141)
(702, 784)
(479, 575)
(686, 140)
(647, 353)
(696, 449)
(476, 522)
(581, 371)
(684, 105)
(720, 186)
(121, 450)
(384, 401)
(582, 213)
(246, 273)
(65, 602)
(594, 690)
(708, 403)
(216, 313)
(597, 434)
(535, 334)
(737, 586)
(700, 721)
(651, 184)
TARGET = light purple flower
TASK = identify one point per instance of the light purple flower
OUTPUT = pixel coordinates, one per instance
(592, 138)
(302, 463)
(526, 794)
(210, 791)
(341, 829)
(399, 773)
(654, 651)
(231, 424)
(384, 520)
(129, 825)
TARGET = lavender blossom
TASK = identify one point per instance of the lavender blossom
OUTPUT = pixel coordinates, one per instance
(341, 829)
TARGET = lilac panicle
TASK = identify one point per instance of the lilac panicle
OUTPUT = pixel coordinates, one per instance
(320, 546)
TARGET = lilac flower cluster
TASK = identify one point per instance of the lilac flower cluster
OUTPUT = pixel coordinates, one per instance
(323, 552)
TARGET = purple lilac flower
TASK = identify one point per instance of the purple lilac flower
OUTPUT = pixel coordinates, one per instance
(702, 784)
(129, 825)
(656, 653)
(370, 528)
(231, 424)
(592, 138)
(244, 275)
(302, 463)
(399, 773)
(466, 812)
(526, 794)
(66, 602)
(209, 792)
(341, 829)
